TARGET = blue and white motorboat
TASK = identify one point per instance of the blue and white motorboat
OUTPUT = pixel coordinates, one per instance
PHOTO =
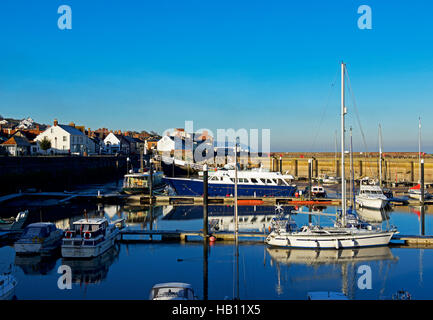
(253, 183)
(38, 238)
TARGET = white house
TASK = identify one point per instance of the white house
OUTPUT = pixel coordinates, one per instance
(67, 139)
(165, 144)
(116, 143)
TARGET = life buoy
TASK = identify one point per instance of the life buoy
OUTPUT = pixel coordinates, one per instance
(87, 235)
(68, 234)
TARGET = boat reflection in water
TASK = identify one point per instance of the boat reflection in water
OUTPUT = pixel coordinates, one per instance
(221, 217)
(330, 262)
(373, 215)
(92, 270)
(135, 215)
(36, 264)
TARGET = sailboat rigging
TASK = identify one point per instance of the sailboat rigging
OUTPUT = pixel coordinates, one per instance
(348, 231)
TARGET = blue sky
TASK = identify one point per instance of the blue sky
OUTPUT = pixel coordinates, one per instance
(223, 64)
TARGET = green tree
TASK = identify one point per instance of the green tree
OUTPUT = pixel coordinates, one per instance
(45, 144)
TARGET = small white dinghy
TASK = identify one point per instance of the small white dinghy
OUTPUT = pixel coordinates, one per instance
(38, 238)
(90, 237)
(172, 291)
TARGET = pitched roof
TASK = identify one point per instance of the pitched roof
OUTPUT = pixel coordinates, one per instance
(28, 135)
(122, 139)
(71, 130)
(132, 139)
(18, 141)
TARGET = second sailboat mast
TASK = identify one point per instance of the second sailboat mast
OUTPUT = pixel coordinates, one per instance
(343, 179)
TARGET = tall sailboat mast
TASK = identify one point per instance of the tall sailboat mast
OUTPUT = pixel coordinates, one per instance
(336, 154)
(343, 179)
(352, 174)
(419, 147)
(380, 155)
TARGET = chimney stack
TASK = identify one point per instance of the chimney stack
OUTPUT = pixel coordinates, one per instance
(56, 122)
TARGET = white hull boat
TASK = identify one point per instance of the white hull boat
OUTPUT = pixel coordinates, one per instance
(371, 195)
(38, 238)
(330, 238)
(372, 203)
(89, 238)
(415, 193)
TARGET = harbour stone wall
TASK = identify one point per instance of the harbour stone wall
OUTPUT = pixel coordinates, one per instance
(57, 173)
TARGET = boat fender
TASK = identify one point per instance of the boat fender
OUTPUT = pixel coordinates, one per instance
(87, 235)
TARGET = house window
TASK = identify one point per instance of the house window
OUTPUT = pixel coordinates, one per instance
(64, 138)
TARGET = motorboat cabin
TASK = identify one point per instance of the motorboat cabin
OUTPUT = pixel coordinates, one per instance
(89, 238)
(138, 183)
(172, 291)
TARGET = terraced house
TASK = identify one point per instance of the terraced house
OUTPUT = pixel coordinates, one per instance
(67, 139)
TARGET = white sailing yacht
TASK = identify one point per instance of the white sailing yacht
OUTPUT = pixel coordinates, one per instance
(348, 231)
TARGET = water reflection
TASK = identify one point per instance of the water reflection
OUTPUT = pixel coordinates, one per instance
(143, 215)
(373, 216)
(95, 270)
(335, 265)
(217, 269)
(221, 217)
(36, 264)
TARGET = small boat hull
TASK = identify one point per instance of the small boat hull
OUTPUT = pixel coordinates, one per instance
(371, 203)
(417, 196)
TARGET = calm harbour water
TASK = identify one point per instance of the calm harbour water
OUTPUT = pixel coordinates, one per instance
(128, 271)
